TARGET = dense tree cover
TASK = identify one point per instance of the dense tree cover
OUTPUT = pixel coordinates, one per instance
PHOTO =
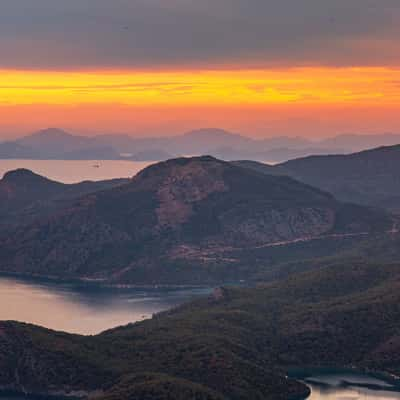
(237, 344)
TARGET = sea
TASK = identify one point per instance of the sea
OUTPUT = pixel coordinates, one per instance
(73, 171)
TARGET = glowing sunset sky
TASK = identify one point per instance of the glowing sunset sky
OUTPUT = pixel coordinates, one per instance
(162, 66)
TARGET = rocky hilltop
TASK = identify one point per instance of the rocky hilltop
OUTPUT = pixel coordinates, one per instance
(174, 223)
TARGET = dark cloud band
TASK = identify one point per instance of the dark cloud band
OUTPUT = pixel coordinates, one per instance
(206, 33)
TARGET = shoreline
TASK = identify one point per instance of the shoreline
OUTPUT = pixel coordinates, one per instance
(104, 283)
(385, 381)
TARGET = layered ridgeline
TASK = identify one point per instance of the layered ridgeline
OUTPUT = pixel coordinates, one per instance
(188, 220)
(24, 195)
(236, 345)
(55, 143)
(370, 177)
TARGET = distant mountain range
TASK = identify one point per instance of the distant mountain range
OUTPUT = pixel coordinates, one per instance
(187, 220)
(370, 177)
(57, 144)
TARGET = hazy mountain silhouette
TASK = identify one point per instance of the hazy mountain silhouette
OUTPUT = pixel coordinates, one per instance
(219, 143)
(55, 143)
(10, 150)
(54, 140)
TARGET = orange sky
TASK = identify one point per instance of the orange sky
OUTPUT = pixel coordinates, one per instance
(313, 101)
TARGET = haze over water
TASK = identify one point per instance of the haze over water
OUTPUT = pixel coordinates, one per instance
(75, 171)
(350, 386)
(84, 309)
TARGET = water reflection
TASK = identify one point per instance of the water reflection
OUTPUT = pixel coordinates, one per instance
(350, 386)
(85, 309)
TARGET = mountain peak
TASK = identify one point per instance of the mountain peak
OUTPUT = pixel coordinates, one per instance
(216, 136)
(211, 132)
(52, 132)
(22, 175)
(22, 187)
(55, 142)
(172, 166)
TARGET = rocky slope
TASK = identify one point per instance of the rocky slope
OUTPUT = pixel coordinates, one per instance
(174, 221)
(235, 345)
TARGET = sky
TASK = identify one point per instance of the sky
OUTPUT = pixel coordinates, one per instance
(155, 67)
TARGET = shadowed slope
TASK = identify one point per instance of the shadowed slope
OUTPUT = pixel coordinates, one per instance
(25, 196)
(370, 177)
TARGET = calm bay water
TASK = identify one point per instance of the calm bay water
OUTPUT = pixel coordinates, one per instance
(76, 171)
(85, 309)
(350, 386)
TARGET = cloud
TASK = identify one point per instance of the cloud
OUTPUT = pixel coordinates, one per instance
(207, 33)
(121, 86)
